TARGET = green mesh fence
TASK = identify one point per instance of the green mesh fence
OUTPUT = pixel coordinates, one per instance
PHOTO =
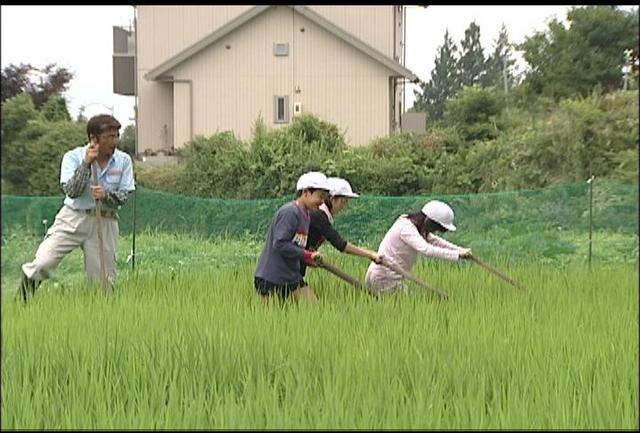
(515, 219)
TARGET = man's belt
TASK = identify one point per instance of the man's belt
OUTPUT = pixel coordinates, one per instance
(106, 213)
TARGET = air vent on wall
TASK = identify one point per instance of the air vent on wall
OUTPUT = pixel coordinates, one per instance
(280, 49)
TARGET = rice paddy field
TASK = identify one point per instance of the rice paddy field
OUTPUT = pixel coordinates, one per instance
(184, 343)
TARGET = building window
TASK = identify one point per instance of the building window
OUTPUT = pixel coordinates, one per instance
(281, 109)
(281, 49)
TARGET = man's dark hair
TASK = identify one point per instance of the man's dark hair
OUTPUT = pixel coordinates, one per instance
(100, 123)
(300, 191)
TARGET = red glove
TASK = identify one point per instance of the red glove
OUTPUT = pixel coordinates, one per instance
(307, 257)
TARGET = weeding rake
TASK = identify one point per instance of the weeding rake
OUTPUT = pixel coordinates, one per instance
(103, 270)
(340, 274)
(419, 282)
(497, 272)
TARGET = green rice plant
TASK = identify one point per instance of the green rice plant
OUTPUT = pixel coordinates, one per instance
(192, 347)
(157, 249)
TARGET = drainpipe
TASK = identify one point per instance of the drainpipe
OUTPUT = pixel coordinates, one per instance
(135, 116)
(404, 60)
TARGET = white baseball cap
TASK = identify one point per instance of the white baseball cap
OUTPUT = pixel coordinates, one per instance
(340, 187)
(312, 179)
(441, 213)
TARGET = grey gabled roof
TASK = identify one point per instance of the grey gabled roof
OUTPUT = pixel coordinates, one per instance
(240, 20)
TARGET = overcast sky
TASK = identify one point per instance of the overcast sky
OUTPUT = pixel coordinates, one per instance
(80, 39)
(426, 28)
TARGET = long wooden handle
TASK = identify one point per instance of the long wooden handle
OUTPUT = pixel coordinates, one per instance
(341, 274)
(498, 273)
(419, 282)
(103, 270)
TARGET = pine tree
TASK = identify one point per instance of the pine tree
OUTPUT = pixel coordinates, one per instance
(500, 63)
(443, 83)
(471, 65)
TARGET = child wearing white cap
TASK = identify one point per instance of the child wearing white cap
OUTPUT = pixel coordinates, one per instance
(321, 227)
(409, 236)
(278, 269)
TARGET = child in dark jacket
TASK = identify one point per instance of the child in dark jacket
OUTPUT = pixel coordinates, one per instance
(279, 266)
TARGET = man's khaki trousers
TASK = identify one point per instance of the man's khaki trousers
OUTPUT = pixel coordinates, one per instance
(70, 230)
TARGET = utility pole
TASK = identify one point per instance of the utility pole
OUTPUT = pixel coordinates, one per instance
(625, 68)
(504, 75)
(135, 113)
(504, 79)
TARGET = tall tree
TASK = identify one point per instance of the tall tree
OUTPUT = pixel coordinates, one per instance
(500, 63)
(55, 109)
(33, 143)
(14, 80)
(443, 83)
(128, 140)
(16, 114)
(50, 80)
(471, 65)
(567, 61)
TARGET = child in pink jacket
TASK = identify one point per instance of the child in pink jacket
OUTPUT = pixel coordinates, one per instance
(409, 236)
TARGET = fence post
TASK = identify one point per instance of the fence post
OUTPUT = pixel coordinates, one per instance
(590, 182)
(133, 243)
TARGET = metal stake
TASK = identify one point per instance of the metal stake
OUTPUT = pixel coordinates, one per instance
(590, 182)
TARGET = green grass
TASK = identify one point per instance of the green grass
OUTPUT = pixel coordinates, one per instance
(189, 346)
(154, 250)
(158, 250)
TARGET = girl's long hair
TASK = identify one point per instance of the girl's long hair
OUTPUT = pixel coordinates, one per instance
(424, 224)
(327, 202)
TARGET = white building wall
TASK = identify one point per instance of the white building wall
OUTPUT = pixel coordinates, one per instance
(233, 86)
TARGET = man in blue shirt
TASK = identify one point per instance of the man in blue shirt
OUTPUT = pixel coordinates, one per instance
(75, 224)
